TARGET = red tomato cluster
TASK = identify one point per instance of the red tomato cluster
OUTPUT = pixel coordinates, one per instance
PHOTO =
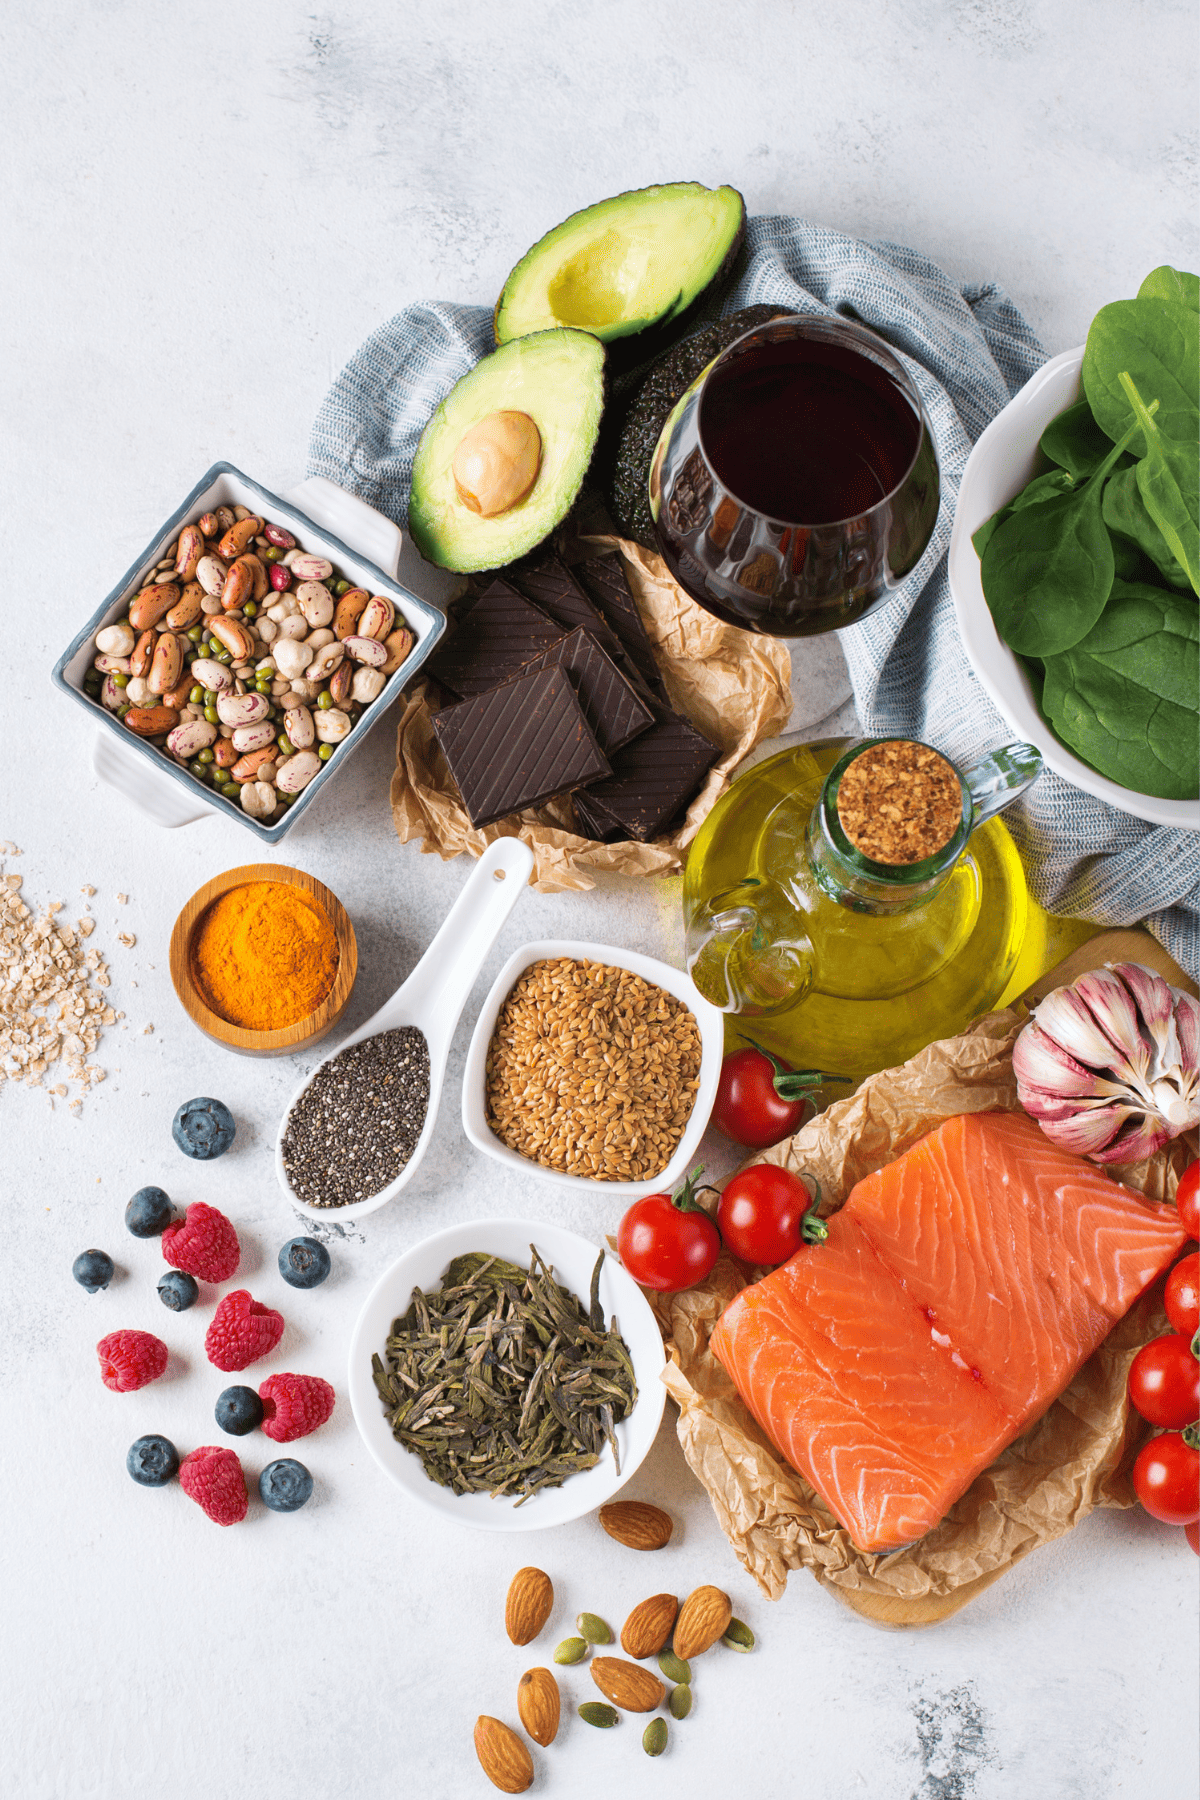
(1164, 1386)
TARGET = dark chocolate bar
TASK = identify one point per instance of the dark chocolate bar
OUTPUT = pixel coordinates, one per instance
(614, 711)
(497, 634)
(652, 780)
(552, 588)
(603, 580)
(517, 745)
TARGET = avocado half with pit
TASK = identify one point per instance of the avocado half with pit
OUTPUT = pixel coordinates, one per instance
(625, 265)
(503, 458)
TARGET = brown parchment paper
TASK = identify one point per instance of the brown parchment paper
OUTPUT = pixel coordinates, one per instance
(735, 687)
(1073, 1460)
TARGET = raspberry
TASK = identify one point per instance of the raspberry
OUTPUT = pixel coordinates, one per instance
(213, 1478)
(203, 1243)
(294, 1405)
(242, 1331)
(129, 1359)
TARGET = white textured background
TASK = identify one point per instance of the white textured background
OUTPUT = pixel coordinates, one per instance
(205, 209)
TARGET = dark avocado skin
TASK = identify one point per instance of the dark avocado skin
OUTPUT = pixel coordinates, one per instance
(632, 437)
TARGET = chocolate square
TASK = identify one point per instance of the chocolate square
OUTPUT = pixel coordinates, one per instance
(497, 634)
(652, 780)
(613, 710)
(517, 745)
(603, 580)
(552, 588)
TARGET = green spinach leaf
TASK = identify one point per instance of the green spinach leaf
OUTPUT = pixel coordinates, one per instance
(1074, 441)
(1158, 342)
(1125, 515)
(1166, 283)
(1047, 569)
(1168, 480)
(1126, 698)
(1054, 481)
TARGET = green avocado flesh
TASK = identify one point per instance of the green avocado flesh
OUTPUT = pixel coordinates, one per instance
(640, 429)
(557, 377)
(625, 264)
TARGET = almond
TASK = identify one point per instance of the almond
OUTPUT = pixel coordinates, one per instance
(636, 1524)
(702, 1620)
(648, 1626)
(538, 1705)
(530, 1597)
(502, 1756)
(627, 1686)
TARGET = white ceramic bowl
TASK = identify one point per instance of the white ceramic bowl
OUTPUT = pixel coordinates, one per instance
(711, 1024)
(572, 1259)
(1002, 462)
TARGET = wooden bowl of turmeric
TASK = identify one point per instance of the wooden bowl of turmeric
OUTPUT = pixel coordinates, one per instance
(263, 959)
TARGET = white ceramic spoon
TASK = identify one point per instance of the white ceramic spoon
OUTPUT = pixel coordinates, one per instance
(432, 998)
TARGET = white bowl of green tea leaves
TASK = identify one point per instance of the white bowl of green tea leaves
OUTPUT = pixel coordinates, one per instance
(514, 1361)
(1081, 620)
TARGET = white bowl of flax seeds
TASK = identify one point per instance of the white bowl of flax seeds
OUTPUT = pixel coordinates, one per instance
(593, 1064)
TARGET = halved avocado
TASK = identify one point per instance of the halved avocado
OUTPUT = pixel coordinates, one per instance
(554, 378)
(626, 264)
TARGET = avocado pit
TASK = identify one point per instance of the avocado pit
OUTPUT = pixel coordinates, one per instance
(496, 462)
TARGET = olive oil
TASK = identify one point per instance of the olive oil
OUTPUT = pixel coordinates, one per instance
(878, 985)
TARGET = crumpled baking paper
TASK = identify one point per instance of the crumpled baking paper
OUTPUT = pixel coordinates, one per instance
(734, 686)
(1073, 1460)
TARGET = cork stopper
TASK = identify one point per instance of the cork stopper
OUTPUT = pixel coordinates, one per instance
(900, 802)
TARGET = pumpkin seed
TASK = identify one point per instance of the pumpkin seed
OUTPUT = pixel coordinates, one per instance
(654, 1738)
(674, 1667)
(680, 1701)
(571, 1650)
(738, 1636)
(592, 1627)
(594, 1712)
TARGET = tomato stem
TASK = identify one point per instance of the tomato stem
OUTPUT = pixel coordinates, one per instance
(684, 1198)
(813, 1229)
(1191, 1435)
(794, 1084)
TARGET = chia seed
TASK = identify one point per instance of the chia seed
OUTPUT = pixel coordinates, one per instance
(357, 1122)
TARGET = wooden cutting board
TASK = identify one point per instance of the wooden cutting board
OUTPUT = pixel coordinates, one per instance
(1124, 945)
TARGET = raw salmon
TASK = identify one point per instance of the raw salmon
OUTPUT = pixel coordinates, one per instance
(958, 1292)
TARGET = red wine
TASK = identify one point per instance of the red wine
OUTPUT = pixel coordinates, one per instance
(806, 431)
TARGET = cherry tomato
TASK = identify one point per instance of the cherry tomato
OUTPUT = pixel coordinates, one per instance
(1182, 1296)
(666, 1243)
(1187, 1199)
(1166, 1479)
(760, 1100)
(1164, 1382)
(762, 1214)
(1192, 1534)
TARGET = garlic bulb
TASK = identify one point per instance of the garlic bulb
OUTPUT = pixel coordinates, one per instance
(1109, 1066)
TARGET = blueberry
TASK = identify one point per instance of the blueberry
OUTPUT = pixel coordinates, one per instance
(93, 1270)
(239, 1410)
(304, 1262)
(177, 1290)
(152, 1461)
(149, 1212)
(203, 1128)
(285, 1485)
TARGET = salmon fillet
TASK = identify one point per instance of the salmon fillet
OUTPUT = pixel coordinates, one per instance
(959, 1291)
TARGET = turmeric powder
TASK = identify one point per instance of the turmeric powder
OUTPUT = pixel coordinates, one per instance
(264, 955)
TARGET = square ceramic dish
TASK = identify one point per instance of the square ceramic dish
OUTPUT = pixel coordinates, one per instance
(1006, 457)
(146, 774)
(711, 1025)
(572, 1259)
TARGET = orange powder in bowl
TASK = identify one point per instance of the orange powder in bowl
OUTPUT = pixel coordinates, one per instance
(264, 956)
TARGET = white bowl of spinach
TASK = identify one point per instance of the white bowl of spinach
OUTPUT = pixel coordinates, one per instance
(1073, 561)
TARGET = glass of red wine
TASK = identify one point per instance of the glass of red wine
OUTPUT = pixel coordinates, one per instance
(795, 483)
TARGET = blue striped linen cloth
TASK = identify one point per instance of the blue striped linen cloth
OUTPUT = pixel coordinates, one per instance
(968, 350)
